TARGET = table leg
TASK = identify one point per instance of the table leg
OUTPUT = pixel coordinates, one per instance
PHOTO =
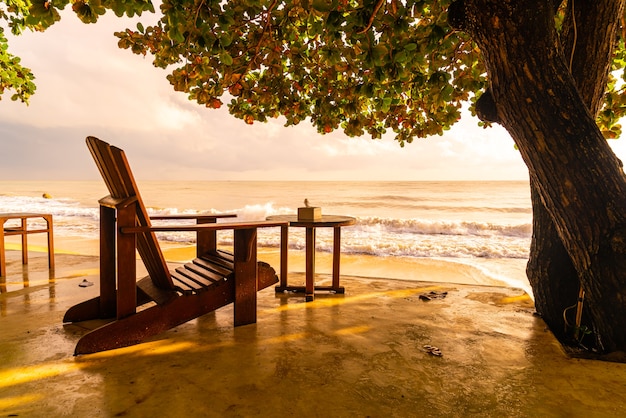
(24, 242)
(50, 242)
(336, 256)
(284, 246)
(310, 264)
(3, 260)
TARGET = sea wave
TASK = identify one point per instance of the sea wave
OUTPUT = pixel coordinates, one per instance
(57, 207)
(404, 203)
(428, 227)
(378, 236)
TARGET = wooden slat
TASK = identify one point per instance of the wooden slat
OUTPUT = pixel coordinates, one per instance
(214, 265)
(147, 244)
(100, 151)
(19, 231)
(208, 227)
(183, 284)
(193, 217)
(206, 272)
(226, 255)
(117, 175)
(198, 278)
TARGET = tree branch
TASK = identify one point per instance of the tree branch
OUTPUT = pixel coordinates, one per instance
(372, 17)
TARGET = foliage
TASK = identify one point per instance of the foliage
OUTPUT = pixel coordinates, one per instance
(361, 65)
(365, 66)
(38, 15)
(615, 99)
(13, 75)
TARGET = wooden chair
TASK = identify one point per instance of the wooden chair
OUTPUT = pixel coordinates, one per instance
(214, 279)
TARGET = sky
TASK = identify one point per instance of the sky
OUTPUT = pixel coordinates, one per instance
(86, 85)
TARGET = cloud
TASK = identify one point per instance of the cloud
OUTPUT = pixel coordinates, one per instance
(87, 86)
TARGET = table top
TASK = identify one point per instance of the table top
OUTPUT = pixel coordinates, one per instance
(325, 221)
(19, 215)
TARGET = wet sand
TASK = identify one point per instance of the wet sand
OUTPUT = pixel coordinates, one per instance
(509, 272)
(358, 354)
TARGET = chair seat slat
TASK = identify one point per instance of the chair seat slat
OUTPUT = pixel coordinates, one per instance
(210, 265)
(202, 281)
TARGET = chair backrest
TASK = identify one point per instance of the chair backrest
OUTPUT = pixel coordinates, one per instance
(117, 175)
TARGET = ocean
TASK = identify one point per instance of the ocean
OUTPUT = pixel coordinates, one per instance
(487, 225)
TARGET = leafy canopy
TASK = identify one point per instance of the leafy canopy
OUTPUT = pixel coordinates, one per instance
(365, 66)
(13, 75)
(38, 15)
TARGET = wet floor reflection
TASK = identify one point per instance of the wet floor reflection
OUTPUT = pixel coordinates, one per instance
(23, 281)
(358, 354)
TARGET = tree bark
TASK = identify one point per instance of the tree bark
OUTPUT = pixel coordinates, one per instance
(587, 39)
(551, 274)
(577, 177)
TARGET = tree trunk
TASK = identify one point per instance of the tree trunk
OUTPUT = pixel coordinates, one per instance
(551, 273)
(577, 177)
(587, 39)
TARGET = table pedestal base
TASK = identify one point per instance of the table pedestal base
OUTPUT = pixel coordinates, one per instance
(309, 297)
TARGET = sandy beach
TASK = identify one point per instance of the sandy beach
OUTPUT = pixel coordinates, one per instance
(358, 354)
(402, 268)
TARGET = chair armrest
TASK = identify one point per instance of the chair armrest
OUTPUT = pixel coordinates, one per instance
(203, 227)
(198, 216)
(117, 203)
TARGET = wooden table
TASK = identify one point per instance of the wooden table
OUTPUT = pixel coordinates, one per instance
(23, 230)
(327, 221)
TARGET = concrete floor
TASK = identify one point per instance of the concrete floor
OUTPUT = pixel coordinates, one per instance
(357, 355)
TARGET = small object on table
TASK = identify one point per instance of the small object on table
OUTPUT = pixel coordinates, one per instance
(309, 213)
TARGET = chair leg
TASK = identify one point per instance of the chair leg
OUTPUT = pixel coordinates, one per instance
(152, 321)
(108, 273)
(245, 276)
(85, 311)
(92, 309)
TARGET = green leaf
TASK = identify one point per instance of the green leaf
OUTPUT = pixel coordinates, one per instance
(175, 35)
(386, 103)
(226, 58)
(400, 57)
(324, 5)
(225, 39)
(379, 54)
